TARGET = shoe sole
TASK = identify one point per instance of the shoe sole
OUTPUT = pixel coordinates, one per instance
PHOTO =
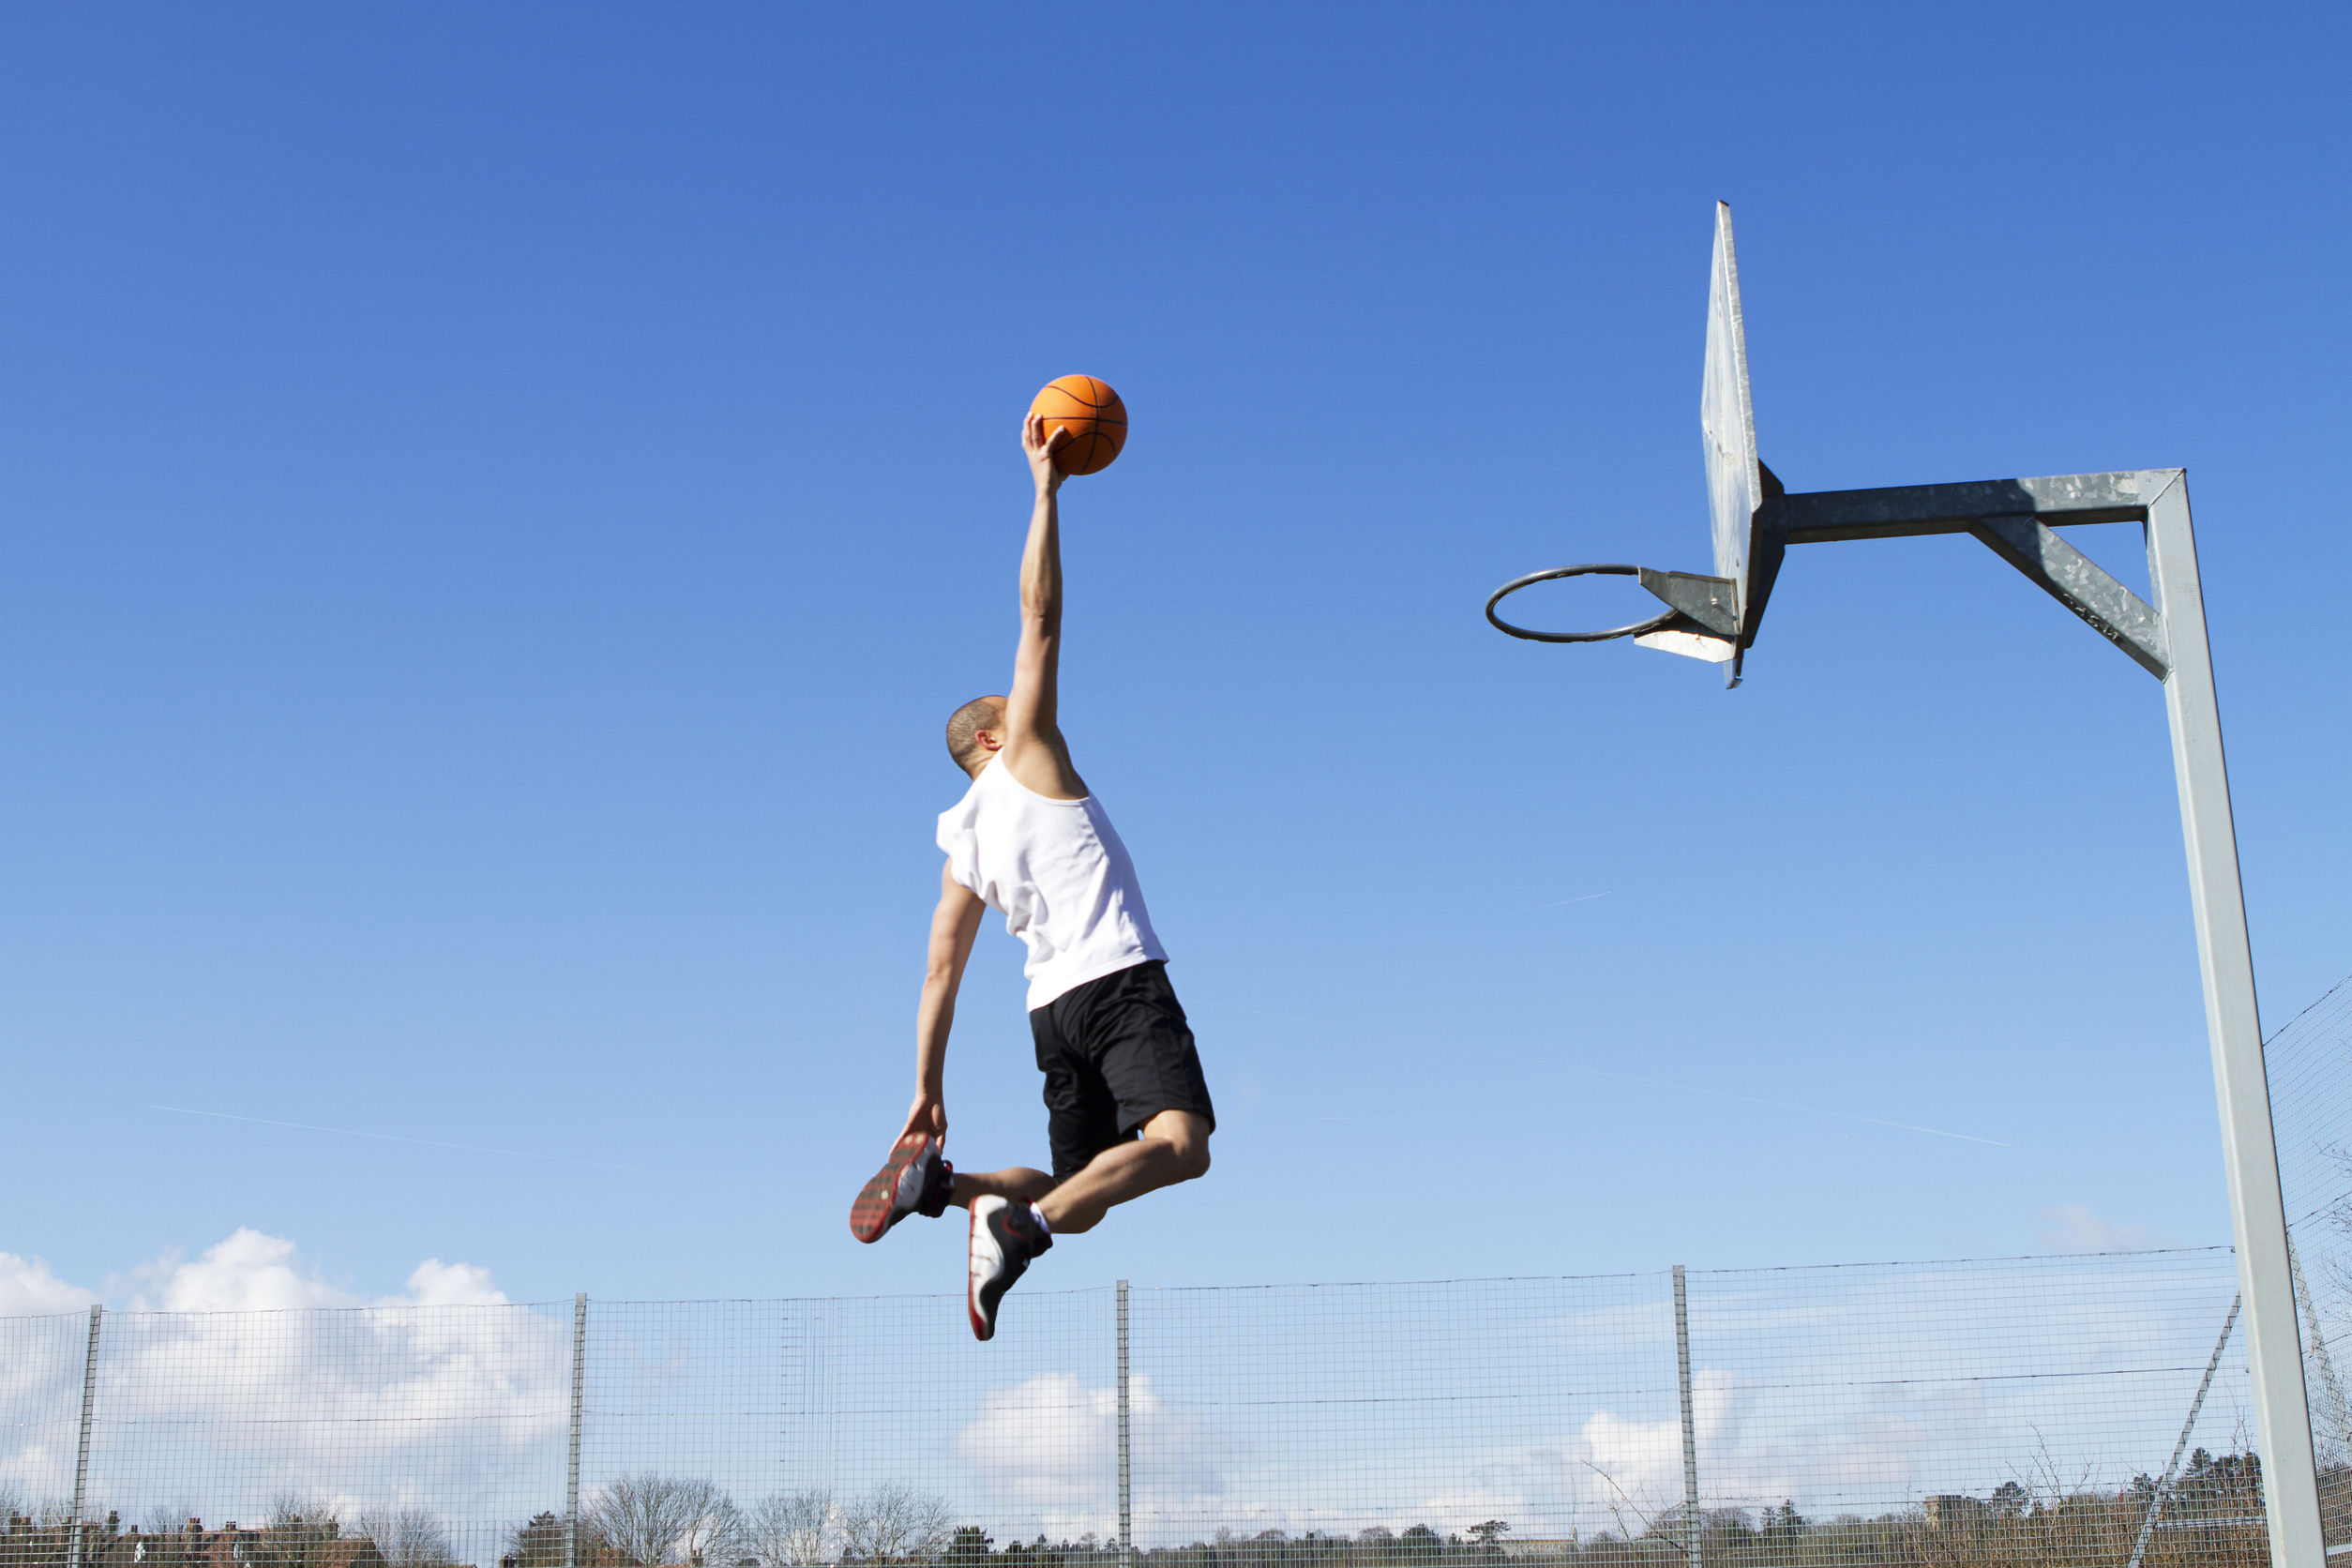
(870, 1216)
(982, 1329)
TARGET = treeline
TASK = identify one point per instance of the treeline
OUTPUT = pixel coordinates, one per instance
(292, 1537)
(2211, 1517)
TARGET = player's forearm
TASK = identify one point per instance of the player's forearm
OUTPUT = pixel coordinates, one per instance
(934, 1016)
(1041, 563)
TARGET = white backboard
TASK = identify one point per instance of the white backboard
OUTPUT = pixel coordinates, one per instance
(1727, 421)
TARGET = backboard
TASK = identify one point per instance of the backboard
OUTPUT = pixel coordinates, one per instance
(1727, 423)
(1712, 618)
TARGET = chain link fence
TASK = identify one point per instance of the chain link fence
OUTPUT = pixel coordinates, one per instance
(2310, 1066)
(2081, 1410)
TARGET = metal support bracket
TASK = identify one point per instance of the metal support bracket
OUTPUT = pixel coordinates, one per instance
(1713, 602)
(1706, 621)
(2079, 583)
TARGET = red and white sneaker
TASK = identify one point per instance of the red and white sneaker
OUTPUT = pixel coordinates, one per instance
(913, 1181)
(1005, 1239)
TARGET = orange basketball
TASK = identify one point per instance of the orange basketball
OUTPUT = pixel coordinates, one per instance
(1093, 415)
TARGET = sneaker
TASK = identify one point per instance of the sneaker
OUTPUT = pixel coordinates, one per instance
(913, 1181)
(1005, 1238)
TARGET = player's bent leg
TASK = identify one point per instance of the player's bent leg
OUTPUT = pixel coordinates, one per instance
(1015, 1181)
(1174, 1148)
(1188, 1131)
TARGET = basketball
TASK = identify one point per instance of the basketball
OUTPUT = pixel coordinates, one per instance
(1093, 415)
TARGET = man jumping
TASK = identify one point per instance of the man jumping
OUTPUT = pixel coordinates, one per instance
(1127, 1109)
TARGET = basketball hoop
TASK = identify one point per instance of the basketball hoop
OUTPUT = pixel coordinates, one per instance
(1655, 623)
(1700, 619)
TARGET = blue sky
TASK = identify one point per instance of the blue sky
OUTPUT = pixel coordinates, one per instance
(498, 503)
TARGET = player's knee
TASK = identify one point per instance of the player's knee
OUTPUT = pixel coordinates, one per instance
(1192, 1159)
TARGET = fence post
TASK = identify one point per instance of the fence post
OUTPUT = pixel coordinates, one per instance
(1691, 1545)
(1126, 1494)
(571, 1462)
(74, 1554)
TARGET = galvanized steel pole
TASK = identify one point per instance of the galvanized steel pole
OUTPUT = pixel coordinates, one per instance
(1127, 1495)
(571, 1465)
(2234, 1025)
(74, 1554)
(1692, 1550)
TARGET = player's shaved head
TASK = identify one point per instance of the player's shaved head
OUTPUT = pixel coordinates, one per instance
(964, 727)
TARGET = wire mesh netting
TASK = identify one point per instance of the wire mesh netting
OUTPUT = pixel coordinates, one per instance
(1865, 1414)
(2311, 1111)
(2090, 1410)
(1413, 1411)
(2026, 1408)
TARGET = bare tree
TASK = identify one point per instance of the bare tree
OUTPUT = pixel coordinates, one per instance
(792, 1529)
(408, 1537)
(538, 1541)
(298, 1532)
(654, 1519)
(894, 1524)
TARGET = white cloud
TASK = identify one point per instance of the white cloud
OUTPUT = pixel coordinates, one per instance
(27, 1290)
(247, 1273)
(241, 1362)
(439, 1284)
(252, 1272)
(1644, 1458)
(1048, 1445)
(2072, 1227)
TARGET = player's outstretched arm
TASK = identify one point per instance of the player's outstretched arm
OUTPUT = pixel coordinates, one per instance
(1033, 747)
(954, 924)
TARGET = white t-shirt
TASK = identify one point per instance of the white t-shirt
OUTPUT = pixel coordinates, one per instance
(1058, 873)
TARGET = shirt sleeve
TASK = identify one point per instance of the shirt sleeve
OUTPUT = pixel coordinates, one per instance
(961, 840)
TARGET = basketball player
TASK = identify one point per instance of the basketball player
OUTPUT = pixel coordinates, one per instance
(1127, 1109)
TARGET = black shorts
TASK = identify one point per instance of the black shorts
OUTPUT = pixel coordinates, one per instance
(1116, 1052)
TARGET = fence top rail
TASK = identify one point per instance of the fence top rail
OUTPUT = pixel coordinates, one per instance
(2221, 1249)
(557, 1305)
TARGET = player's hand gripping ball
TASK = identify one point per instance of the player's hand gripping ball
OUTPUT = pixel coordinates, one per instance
(1093, 415)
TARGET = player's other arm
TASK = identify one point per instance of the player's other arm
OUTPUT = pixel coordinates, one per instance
(954, 924)
(1034, 746)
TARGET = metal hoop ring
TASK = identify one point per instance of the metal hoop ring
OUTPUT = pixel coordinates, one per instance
(1518, 582)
